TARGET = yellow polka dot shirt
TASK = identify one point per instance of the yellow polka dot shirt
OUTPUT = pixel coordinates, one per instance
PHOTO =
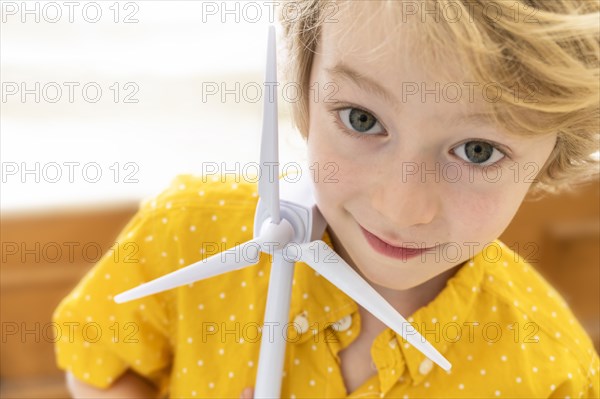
(506, 332)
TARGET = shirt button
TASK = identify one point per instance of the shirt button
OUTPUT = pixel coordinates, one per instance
(425, 366)
(342, 324)
(301, 323)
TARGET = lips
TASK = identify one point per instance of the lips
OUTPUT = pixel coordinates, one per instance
(385, 248)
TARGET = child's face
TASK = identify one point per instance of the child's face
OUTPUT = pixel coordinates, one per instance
(412, 173)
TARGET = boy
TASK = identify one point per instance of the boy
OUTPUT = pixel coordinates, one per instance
(428, 130)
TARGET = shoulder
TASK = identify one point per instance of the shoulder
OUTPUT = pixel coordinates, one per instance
(203, 191)
(191, 200)
(526, 301)
(193, 218)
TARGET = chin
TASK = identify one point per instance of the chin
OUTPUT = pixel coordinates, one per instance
(391, 277)
(396, 285)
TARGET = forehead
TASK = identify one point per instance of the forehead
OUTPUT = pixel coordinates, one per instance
(373, 39)
(378, 35)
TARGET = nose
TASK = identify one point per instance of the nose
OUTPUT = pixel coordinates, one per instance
(407, 200)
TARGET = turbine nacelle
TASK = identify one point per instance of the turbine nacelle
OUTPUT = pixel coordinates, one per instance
(297, 206)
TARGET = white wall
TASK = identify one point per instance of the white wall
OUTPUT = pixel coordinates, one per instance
(168, 54)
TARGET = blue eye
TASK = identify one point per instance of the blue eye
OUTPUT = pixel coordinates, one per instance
(359, 121)
(479, 153)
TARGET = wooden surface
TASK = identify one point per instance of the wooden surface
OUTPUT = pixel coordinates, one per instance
(33, 283)
(558, 235)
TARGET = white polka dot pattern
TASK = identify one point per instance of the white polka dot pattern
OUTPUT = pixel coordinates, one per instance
(498, 322)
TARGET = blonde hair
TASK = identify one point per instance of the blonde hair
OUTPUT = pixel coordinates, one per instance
(547, 49)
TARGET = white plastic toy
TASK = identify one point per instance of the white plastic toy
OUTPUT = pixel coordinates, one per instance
(290, 225)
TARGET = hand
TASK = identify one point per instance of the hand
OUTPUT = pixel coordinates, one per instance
(247, 393)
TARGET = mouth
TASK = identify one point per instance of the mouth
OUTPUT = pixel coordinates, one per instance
(392, 251)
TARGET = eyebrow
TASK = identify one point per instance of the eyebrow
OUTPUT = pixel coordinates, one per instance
(343, 71)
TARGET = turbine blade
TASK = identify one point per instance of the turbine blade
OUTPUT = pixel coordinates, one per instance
(235, 258)
(332, 267)
(268, 184)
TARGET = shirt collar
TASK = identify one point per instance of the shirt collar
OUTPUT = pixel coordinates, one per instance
(443, 319)
(439, 321)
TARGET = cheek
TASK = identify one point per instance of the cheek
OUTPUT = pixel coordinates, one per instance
(481, 216)
(335, 176)
(333, 181)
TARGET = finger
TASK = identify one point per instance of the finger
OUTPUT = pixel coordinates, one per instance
(247, 393)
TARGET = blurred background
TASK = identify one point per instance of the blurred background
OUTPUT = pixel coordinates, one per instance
(103, 103)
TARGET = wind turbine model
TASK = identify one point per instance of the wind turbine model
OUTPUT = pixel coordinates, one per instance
(280, 224)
